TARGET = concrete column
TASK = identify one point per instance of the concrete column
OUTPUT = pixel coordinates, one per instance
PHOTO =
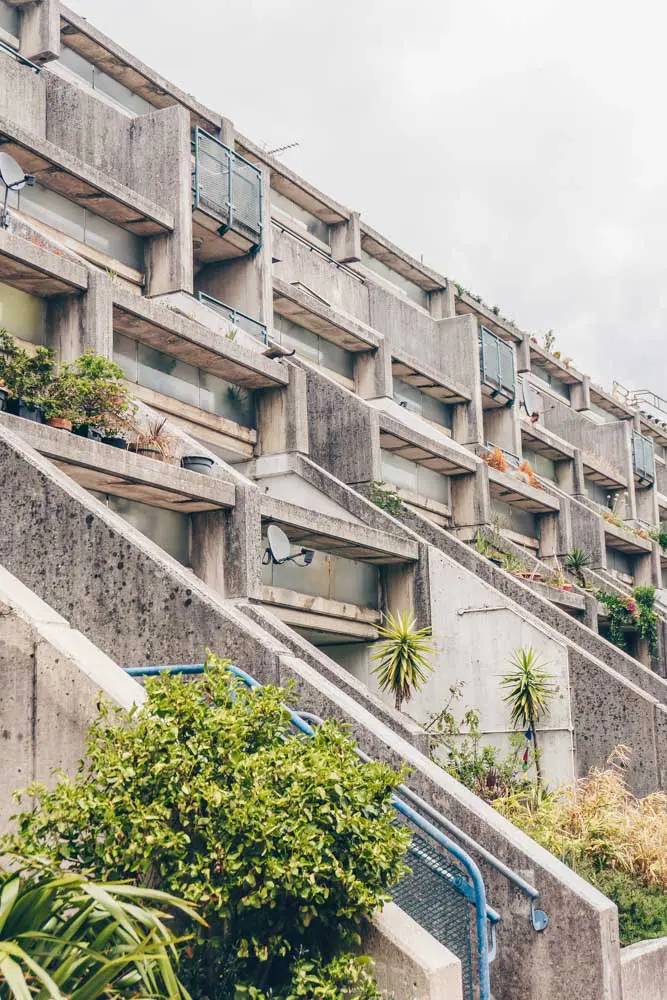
(81, 323)
(501, 427)
(398, 588)
(580, 394)
(565, 475)
(227, 133)
(555, 534)
(578, 477)
(242, 549)
(372, 373)
(442, 302)
(523, 355)
(282, 416)
(471, 505)
(646, 503)
(207, 547)
(346, 240)
(40, 29)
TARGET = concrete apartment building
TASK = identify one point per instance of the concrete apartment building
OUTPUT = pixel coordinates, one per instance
(311, 359)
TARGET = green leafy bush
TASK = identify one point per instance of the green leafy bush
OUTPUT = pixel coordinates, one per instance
(287, 844)
(637, 612)
(386, 498)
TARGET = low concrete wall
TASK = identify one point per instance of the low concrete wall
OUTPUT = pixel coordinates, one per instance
(644, 970)
(141, 606)
(409, 964)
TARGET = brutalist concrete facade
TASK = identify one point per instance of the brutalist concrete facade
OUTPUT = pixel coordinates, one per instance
(312, 360)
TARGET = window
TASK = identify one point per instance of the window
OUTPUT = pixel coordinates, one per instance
(599, 415)
(314, 348)
(497, 364)
(407, 475)
(83, 225)
(9, 18)
(412, 290)
(328, 576)
(167, 528)
(642, 457)
(541, 466)
(420, 402)
(304, 219)
(95, 78)
(599, 494)
(555, 384)
(619, 562)
(166, 374)
(22, 315)
(515, 519)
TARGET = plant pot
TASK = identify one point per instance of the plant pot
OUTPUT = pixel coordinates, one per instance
(115, 442)
(88, 431)
(4, 399)
(495, 560)
(568, 587)
(197, 463)
(60, 423)
(154, 453)
(26, 410)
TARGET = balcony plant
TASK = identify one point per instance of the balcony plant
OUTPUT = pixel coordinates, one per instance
(100, 398)
(402, 657)
(576, 562)
(496, 460)
(525, 472)
(26, 377)
(632, 612)
(152, 439)
(529, 688)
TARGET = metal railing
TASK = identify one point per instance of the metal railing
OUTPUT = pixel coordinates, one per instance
(643, 459)
(444, 891)
(19, 58)
(496, 362)
(244, 322)
(226, 185)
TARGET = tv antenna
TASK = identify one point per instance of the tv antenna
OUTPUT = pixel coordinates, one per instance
(279, 549)
(275, 150)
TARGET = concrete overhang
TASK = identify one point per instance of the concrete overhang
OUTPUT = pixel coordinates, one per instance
(555, 367)
(510, 489)
(292, 186)
(610, 403)
(600, 472)
(79, 34)
(324, 533)
(430, 380)
(544, 442)
(388, 253)
(99, 467)
(320, 615)
(38, 271)
(654, 428)
(466, 304)
(307, 309)
(625, 540)
(166, 330)
(439, 454)
(83, 184)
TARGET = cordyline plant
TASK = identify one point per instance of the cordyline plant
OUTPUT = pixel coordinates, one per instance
(64, 936)
(402, 657)
(529, 687)
(286, 844)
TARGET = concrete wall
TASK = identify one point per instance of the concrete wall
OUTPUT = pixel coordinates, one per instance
(22, 96)
(409, 964)
(644, 970)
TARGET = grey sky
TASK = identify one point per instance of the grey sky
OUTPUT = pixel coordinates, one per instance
(519, 145)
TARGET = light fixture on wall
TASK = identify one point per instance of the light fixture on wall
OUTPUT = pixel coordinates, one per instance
(14, 179)
(278, 549)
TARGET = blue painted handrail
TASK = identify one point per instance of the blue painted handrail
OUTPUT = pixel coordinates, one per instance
(474, 891)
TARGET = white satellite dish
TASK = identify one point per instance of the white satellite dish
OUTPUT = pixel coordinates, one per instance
(13, 179)
(529, 400)
(279, 544)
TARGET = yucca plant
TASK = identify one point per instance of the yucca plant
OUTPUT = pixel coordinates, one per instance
(62, 936)
(529, 687)
(576, 561)
(402, 657)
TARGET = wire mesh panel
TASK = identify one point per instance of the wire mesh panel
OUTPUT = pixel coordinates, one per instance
(497, 363)
(432, 895)
(642, 451)
(226, 184)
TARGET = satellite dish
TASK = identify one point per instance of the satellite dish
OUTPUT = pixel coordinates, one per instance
(13, 178)
(279, 544)
(529, 401)
(11, 173)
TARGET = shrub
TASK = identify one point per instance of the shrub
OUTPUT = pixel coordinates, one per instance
(93, 387)
(286, 844)
(615, 840)
(386, 498)
(402, 656)
(636, 612)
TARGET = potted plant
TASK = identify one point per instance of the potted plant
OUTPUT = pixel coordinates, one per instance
(4, 395)
(153, 440)
(26, 377)
(496, 460)
(100, 398)
(197, 463)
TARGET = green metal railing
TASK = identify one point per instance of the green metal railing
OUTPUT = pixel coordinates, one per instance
(643, 458)
(19, 58)
(247, 323)
(496, 362)
(226, 186)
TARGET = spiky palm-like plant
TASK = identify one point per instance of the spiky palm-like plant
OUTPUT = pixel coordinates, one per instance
(529, 687)
(402, 657)
(62, 936)
(577, 560)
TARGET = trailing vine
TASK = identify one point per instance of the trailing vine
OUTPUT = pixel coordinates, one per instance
(636, 612)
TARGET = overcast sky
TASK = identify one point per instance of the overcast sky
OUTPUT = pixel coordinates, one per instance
(519, 146)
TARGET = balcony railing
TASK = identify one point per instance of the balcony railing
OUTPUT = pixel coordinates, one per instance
(643, 460)
(496, 360)
(226, 186)
(247, 323)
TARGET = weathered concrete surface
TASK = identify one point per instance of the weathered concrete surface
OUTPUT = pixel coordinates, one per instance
(644, 970)
(408, 963)
(22, 95)
(51, 677)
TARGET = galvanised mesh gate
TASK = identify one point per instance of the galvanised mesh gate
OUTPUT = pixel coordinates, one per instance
(433, 895)
(226, 185)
